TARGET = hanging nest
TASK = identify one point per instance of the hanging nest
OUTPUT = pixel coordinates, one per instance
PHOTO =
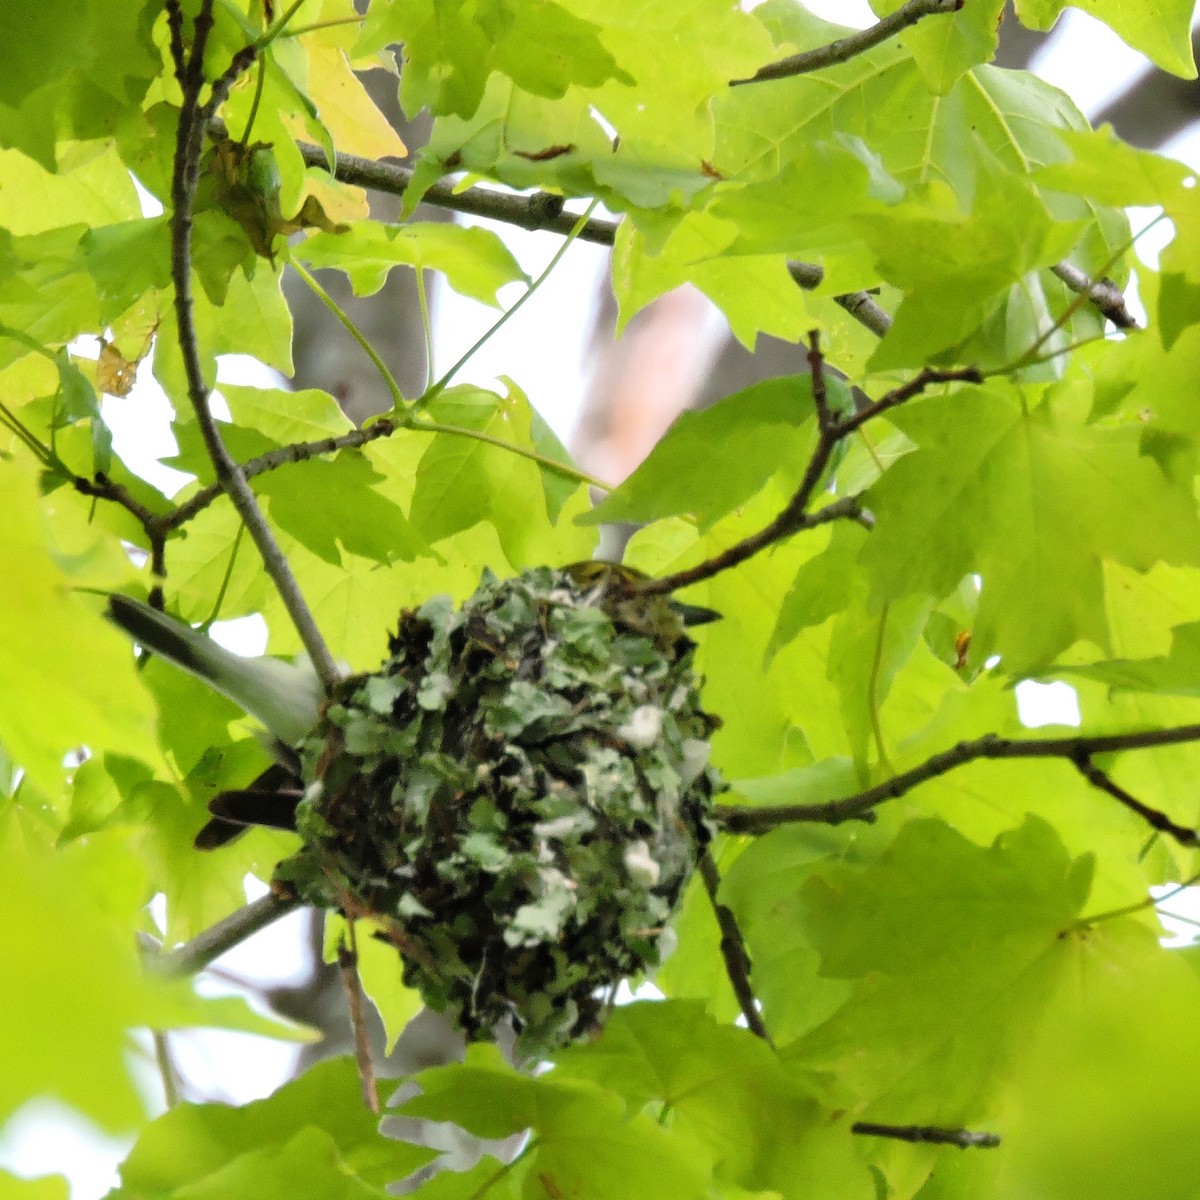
(517, 797)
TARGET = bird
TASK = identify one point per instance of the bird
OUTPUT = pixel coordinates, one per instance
(618, 586)
(286, 698)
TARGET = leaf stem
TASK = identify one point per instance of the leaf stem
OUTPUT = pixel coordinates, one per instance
(166, 1068)
(398, 401)
(422, 425)
(873, 688)
(440, 386)
(426, 328)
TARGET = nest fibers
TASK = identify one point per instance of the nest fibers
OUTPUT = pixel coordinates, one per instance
(517, 797)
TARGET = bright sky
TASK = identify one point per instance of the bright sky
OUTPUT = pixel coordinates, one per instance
(543, 349)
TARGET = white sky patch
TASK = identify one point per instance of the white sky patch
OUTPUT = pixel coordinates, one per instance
(1047, 704)
(542, 348)
(242, 635)
(48, 1138)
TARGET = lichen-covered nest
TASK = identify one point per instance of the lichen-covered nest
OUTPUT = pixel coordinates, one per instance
(518, 797)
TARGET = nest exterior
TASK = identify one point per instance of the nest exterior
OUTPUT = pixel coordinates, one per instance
(517, 797)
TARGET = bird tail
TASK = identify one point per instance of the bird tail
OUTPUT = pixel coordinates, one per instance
(285, 697)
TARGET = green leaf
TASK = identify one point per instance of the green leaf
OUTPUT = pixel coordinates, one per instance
(964, 941)
(763, 430)
(449, 51)
(314, 1134)
(75, 72)
(80, 1003)
(957, 264)
(463, 479)
(824, 585)
(584, 1143)
(50, 632)
(47, 1187)
(1160, 30)
(725, 1088)
(1115, 1056)
(1009, 491)
(475, 261)
(946, 44)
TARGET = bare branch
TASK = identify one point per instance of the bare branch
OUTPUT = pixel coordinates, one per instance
(544, 211)
(193, 121)
(926, 377)
(1152, 816)
(733, 950)
(272, 459)
(347, 957)
(859, 806)
(863, 307)
(964, 1139)
(539, 211)
(1103, 293)
(850, 47)
(208, 946)
(103, 488)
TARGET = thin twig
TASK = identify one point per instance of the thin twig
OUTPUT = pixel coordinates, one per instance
(816, 371)
(347, 955)
(282, 456)
(1152, 816)
(850, 47)
(733, 950)
(1103, 293)
(964, 1139)
(193, 121)
(859, 806)
(103, 488)
(166, 1068)
(208, 946)
(864, 309)
(792, 520)
(925, 378)
(831, 430)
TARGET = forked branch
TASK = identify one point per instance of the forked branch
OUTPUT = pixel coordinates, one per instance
(194, 120)
(1077, 750)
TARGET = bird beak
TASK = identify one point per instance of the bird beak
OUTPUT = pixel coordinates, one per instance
(694, 614)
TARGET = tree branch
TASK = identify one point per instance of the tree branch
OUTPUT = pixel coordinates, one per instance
(964, 1139)
(542, 211)
(793, 518)
(859, 806)
(733, 950)
(208, 946)
(1152, 816)
(193, 122)
(1103, 293)
(926, 377)
(272, 459)
(850, 47)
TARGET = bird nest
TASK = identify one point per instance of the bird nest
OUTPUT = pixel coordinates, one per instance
(517, 797)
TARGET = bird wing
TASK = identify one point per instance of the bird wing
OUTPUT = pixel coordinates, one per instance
(285, 697)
